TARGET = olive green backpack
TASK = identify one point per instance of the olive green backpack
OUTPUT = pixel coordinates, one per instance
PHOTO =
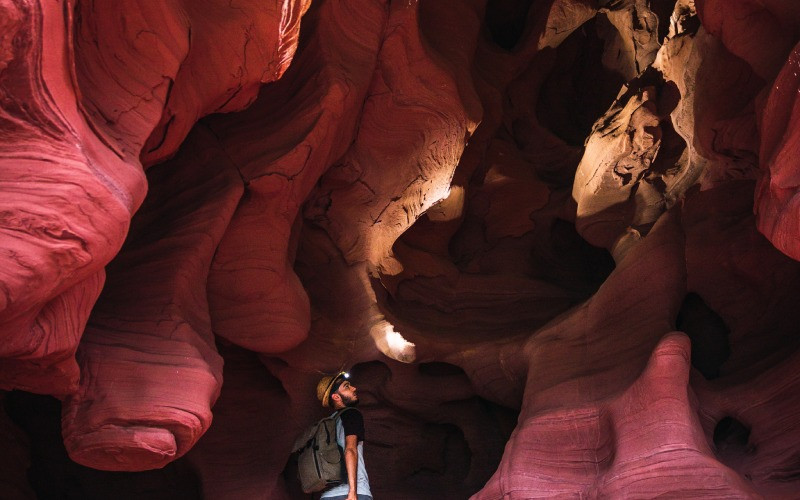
(320, 462)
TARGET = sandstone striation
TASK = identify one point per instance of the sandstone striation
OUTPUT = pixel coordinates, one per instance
(555, 241)
(67, 202)
(150, 332)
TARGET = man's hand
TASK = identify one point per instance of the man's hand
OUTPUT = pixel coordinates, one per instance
(352, 495)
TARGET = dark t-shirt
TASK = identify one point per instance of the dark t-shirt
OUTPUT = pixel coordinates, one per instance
(353, 423)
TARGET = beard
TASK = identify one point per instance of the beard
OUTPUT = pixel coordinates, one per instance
(348, 401)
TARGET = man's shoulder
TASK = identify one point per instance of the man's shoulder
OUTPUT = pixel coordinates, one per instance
(353, 422)
(351, 414)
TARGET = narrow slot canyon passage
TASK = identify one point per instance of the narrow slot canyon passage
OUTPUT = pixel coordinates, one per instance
(554, 242)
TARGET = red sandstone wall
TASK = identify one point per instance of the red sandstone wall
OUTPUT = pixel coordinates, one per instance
(557, 240)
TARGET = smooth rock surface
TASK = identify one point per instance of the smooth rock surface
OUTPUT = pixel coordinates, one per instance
(556, 243)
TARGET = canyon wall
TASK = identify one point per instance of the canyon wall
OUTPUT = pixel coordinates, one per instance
(556, 242)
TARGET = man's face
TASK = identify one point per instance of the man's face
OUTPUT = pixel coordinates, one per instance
(347, 392)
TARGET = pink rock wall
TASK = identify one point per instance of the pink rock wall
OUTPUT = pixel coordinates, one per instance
(555, 241)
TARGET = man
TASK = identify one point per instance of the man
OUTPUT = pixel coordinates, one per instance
(337, 392)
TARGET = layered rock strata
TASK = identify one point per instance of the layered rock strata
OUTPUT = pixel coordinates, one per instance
(556, 241)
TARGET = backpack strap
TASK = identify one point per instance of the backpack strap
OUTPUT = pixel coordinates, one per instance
(304, 439)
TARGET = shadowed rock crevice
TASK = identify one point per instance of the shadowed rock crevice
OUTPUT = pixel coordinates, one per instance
(562, 257)
(448, 458)
(506, 21)
(709, 334)
(439, 369)
(53, 475)
(580, 85)
(732, 438)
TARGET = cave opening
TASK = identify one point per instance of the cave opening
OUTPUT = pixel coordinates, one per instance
(506, 21)
(580, 86)
(731, 437)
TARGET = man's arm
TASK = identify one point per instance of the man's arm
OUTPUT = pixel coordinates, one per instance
(351, 464)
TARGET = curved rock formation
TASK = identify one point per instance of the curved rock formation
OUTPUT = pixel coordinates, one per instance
(67, 202)
(148, 74)
(293, 133)
(150, 332)
(630, 445)
(76, 101)
(556, 242)
(776, 202)
(413, 123)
